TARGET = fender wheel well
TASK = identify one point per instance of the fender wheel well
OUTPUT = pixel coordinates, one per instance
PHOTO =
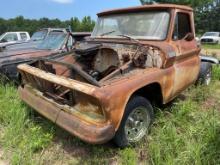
(151, 92)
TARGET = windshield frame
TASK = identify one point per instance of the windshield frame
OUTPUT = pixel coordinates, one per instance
(169, 11)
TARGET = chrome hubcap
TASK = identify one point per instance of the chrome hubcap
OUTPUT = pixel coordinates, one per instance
(208, 78)
(137, 124)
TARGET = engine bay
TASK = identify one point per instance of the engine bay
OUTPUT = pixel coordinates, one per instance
(100, 61)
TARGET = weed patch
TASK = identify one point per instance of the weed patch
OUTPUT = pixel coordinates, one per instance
(186, 133)
(22, 135)
(211, 46)
(216, 73)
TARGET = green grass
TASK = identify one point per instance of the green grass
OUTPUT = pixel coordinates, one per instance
(188, 134)
(211, 46)
(216, 73)
(22, 135)
(185, 132)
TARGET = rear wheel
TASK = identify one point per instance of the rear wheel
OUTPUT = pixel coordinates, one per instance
(135, 123)
(205, 75)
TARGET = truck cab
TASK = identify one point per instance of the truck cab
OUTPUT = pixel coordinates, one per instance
(13, 37)
(105, 88)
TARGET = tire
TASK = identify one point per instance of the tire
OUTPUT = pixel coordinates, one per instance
(205, 75)
(135, 123)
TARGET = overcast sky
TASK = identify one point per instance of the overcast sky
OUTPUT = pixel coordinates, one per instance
(62, 9)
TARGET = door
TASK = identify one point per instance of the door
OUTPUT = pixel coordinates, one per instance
(187, 62)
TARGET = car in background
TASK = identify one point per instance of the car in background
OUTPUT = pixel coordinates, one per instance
(210, 38)
(36, 38)
(57, 41)
(13, 37)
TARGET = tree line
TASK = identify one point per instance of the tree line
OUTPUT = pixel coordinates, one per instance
(207, 18)
(31, 25)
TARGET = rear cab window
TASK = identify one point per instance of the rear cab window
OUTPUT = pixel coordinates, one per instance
(23, 36)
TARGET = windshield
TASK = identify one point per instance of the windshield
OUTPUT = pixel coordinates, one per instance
(54, 40)
(151, 25)
(40, 35)
(212, 34)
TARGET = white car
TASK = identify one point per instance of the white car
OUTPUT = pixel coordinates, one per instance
(13, 37)
(210, 38)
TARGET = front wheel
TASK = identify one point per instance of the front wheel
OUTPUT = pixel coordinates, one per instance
(135, 123)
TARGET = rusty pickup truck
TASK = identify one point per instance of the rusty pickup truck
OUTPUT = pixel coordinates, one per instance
(136, 57)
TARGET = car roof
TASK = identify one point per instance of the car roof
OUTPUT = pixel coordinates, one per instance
(17, 32)
(144, 8)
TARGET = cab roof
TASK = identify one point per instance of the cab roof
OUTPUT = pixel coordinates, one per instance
(145, 7)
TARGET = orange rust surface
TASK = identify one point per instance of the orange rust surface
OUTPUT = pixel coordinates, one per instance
(144, 8)
(92, 133)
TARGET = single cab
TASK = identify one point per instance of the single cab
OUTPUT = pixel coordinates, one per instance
(135, 58)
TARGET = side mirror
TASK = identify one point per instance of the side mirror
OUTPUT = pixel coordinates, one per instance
(189, 37)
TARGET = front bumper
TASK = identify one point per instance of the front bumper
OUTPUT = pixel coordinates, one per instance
(209, 41)
(95, 133)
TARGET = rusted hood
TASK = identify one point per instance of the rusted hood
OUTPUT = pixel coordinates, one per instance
(13, 56)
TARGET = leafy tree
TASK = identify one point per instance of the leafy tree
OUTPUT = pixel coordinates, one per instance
(31, 25)
(87, 24)
(75, 24)
(207, 17)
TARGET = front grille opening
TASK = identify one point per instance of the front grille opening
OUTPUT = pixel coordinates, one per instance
(72, 100)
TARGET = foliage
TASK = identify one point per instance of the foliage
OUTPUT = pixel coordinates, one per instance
(188, 133)
(31, 25)
(216, 73)
(128, 156)
(206, 17)
(211, 46)
(22, 136)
